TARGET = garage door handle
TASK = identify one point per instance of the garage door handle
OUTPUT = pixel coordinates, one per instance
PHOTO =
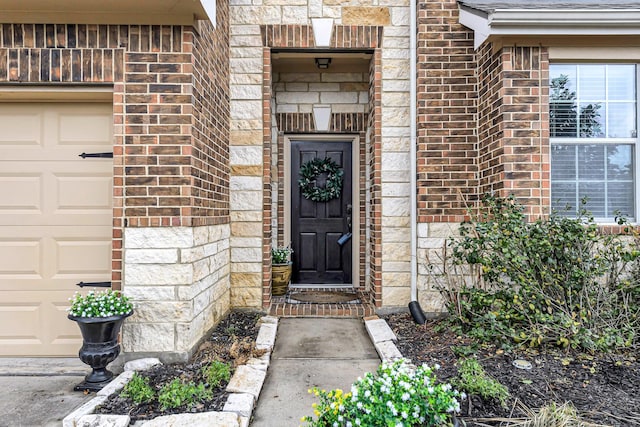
(101, 155)
(94, 284)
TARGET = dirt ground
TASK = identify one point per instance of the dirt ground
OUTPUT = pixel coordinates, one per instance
(605, 389)
(232, 341)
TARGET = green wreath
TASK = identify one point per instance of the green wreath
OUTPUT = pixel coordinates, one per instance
(310, 171)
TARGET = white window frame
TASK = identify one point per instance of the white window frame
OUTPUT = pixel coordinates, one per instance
(635, 142)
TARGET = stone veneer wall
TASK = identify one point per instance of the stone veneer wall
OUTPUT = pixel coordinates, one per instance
(179, 279)
(299, 92)
(287, 24)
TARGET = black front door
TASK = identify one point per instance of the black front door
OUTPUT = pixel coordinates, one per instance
(317, 227)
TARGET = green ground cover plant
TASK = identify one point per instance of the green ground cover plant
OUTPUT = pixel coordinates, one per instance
(474, 380)
(139, 390)
(555, 281)
(216, 373)
(178, 393)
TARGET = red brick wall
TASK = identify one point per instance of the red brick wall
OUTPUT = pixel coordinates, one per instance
(211, 115)
(490, 120)
(170, 147)
(514, 125)
(162, 174)
(374, 157)
(447, 150)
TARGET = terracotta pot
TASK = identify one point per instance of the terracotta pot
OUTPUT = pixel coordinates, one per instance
(280, 278)
(99, 348)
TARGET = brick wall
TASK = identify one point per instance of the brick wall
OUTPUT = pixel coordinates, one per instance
(151, 69)
(171, 173)
(447, 95)
(490, 119)
(514, 125)
(160, 142)
(211, 114)
(374, 199)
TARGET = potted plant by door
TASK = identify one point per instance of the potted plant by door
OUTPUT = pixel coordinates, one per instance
(281, 269)
(99, 316)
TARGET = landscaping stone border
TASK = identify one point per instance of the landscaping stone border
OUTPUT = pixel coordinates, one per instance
(383, 338)
(244, 386)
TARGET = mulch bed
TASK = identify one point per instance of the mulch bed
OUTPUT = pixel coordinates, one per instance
(605, 389)
(232, 341)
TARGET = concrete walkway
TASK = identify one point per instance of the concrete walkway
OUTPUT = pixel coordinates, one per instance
(311, 352)
(39, 392)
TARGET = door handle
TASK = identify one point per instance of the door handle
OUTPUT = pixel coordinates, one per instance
(347, 236)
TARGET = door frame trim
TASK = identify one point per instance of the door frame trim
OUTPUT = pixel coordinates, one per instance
(355, 190)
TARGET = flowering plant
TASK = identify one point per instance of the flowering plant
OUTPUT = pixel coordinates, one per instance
(281, 254)
(100, 304)
(397, 395)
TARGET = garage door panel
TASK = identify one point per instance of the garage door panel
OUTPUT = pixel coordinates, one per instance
(46, 193)
(92, 191)
(25, 321)
(90, 258)
(38, 326)
(21, 126)
(55, 220)
(85, 127)
(21, 259)
(56, 260)
(21, 193)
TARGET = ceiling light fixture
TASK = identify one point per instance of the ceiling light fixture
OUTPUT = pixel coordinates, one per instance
(323, 63)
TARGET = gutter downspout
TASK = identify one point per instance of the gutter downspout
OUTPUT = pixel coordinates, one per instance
(414, 305)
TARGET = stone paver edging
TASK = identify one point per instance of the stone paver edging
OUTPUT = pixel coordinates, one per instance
(244, 386)
(383, 338)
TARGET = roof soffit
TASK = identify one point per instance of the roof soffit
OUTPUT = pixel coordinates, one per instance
(177, 12)
(548, 22)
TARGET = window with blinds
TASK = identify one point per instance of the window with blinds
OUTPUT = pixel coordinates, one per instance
(593, 128)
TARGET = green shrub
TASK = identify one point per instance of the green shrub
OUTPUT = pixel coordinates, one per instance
(177, 393)
(395, 395)
(474, 380)
(216, 373)
(138, 390)
(556, 280)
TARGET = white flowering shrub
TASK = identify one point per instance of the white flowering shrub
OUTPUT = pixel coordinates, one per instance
(396, 395)
(100, 304)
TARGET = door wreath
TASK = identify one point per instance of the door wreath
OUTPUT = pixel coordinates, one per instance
(310, 170)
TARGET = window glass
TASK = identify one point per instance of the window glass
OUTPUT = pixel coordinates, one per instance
(563, 162)
(620, 162)
(591, 83)
(622, 119)
(620, 79)
(591, 162)
(593, 122)
(594, 194)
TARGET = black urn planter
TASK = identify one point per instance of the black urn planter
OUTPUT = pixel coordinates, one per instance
(99, 348)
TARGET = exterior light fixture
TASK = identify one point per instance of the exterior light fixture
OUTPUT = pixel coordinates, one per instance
(323, 63)
(322, 117)
(322, 29)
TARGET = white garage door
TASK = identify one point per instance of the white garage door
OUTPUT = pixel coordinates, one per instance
(55, 220)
